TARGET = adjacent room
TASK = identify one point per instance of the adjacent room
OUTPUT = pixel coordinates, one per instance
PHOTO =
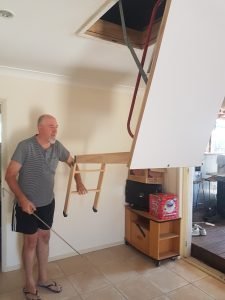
(208, 200)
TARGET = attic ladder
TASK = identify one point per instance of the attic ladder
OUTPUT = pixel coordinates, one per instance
(102, 159)
(139, 64)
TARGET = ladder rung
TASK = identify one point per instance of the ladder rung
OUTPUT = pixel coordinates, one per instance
(92, 170)
(90, 190)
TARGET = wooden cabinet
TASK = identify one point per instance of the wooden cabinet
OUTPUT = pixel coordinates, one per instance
(159, 239)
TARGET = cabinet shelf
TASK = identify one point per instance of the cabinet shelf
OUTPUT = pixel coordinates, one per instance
(166, 236)
(168, 254)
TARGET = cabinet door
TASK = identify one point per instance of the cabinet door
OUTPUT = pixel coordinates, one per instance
(140, 236)
(129, 217)
(127, 224)
(154, 239)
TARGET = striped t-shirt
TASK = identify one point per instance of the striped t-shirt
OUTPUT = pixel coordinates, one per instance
(36, 176)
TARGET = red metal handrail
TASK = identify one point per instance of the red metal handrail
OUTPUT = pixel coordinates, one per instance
(149, 32)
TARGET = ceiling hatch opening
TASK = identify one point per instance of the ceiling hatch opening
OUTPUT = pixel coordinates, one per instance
(137, 15)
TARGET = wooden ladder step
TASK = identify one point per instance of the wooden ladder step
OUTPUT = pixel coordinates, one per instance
(75, 170)
(90, 170)
(90, 190)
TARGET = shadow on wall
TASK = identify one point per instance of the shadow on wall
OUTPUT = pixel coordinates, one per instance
(90, 108)
(102, 77)
(21, 133)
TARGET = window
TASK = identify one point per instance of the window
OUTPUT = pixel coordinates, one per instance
(218, 137)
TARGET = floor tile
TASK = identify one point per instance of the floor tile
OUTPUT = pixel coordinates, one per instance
(54, 271)
(116, 271)
(10, 281)
(74, 298)
(188, 292)
(119, 254)
(88, 281)
(13, 295)
(139, 288)
(124, 252)
(186, 270)
(165, 279)
(108, 293)
(212, 287)
(164, 297)
(75, 264)
(141, 264)
(101, 257)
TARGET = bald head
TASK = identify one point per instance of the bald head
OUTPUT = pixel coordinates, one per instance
(43, 118)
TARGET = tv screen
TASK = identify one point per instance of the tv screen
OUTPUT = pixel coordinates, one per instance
(137, 194)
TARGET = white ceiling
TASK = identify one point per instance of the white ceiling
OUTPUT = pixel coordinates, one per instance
(43, 36)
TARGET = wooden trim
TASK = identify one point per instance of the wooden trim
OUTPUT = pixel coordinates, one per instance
(96, 16)
(112, 32)
(108, 158)
(152, 70)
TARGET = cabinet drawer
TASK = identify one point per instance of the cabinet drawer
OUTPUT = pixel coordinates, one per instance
(140, 236)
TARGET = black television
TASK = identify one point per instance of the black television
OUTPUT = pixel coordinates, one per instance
(137, 194)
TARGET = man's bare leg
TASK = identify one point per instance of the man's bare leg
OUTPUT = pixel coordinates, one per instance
(42, 254)
(28, 256)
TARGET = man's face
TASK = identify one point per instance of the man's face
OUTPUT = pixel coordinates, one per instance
(48, 129)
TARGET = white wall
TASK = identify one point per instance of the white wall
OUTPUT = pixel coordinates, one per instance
(90, 121)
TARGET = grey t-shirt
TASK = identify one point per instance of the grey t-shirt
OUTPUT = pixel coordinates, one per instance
(36, 176)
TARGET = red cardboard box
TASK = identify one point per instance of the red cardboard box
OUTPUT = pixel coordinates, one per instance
(163, 206)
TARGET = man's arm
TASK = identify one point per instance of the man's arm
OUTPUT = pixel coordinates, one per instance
(11, 178)
(80, 186)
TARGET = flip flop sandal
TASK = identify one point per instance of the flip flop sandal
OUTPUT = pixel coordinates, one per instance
(31, 296)
(52, 286)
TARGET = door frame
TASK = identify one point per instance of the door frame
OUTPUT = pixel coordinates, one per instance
(186, 192)
(3, 162)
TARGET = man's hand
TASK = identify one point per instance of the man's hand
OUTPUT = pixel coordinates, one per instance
(81, 189)
(27, 206)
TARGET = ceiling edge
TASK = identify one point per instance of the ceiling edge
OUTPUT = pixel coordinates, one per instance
(56, 78)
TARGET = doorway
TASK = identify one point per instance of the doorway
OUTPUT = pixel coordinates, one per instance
(208, 211)
(0, 184)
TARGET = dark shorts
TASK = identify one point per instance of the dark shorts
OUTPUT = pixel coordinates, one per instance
(29, 224)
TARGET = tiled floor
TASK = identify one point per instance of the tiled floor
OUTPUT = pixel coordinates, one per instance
(120, 273)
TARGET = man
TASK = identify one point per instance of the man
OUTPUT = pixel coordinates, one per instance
(34, 163)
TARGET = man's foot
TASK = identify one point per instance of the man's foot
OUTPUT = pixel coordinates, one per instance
(30, 295)
(51, 286)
